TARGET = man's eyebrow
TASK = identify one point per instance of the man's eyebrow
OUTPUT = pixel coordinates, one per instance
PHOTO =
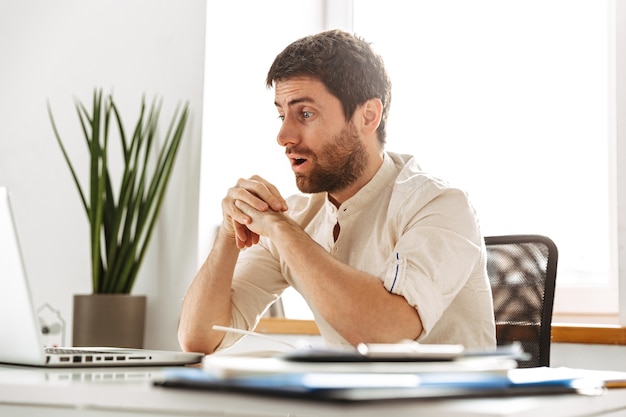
(296, 101)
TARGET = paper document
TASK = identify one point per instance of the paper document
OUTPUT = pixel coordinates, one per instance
(227, 366)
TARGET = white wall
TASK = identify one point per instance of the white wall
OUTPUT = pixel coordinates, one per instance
(62, 49)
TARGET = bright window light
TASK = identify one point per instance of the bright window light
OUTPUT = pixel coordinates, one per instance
(508, 100)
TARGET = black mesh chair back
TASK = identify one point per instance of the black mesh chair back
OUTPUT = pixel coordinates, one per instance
(522, 271)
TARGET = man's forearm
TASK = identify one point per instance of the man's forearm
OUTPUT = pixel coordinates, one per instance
(208, 301)
(356, 304)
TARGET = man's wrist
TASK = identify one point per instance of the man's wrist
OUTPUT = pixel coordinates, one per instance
(281, 227)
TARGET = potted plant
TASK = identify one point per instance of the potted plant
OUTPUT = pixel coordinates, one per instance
(122, 211)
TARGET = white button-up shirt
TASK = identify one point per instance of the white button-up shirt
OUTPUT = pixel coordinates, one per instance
(419, 235)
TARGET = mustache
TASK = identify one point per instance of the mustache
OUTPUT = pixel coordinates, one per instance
(298, 151)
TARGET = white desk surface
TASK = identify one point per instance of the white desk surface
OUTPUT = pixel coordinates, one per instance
(26, 391)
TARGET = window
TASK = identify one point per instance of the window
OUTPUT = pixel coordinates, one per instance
(510, 100)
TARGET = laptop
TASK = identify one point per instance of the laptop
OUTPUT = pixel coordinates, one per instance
(21, 341)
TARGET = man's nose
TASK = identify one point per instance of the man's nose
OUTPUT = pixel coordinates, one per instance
(288, 134)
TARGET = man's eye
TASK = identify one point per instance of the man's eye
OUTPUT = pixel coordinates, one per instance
(307, 114)
(281, 118)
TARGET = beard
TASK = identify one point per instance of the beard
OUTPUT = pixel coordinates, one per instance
(337, 166)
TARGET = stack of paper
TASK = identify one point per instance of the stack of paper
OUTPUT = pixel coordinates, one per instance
(230, 366)
(349, 376)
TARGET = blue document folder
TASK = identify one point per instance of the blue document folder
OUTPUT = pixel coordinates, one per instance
(376, 386)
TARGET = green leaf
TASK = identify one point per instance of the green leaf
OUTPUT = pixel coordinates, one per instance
(122, 224)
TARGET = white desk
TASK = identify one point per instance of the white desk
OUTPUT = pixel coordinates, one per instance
(129, 392)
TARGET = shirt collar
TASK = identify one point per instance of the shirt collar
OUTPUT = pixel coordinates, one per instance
(383, 177)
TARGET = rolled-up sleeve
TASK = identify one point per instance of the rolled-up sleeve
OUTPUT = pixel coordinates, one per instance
(437, 252)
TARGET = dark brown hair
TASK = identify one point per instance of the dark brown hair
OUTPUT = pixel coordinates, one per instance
(345, 63)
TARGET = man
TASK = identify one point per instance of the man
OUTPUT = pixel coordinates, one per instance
(381, 251)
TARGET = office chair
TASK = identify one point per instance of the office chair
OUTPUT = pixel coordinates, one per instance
(522, 272)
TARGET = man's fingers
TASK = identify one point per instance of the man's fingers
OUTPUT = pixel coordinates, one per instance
(243, 200)
(278, 203)
(245, 237)
(244, 194)
(263, 190)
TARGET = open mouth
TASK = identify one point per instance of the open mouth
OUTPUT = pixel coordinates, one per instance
(298, 160)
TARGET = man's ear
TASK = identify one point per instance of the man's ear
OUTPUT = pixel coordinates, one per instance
(370, 114)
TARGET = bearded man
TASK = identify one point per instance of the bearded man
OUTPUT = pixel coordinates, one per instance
(381, 251)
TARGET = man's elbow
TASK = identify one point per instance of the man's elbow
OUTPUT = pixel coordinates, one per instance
(191, 343)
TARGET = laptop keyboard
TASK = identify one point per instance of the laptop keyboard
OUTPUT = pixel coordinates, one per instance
(70, 351)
